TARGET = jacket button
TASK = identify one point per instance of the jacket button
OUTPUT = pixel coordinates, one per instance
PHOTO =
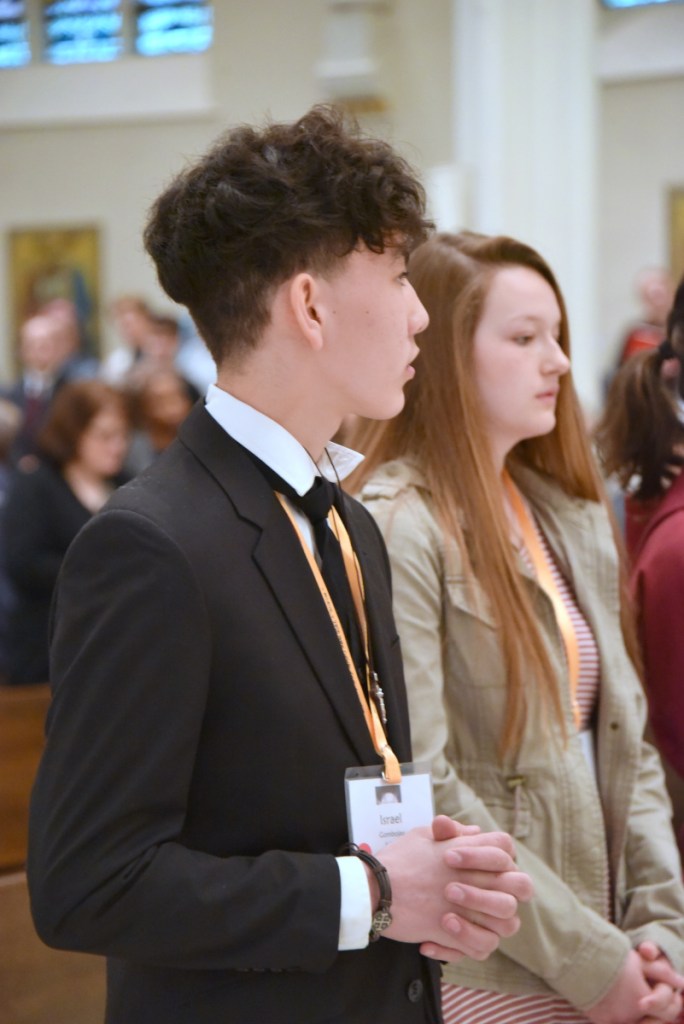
(415, 991)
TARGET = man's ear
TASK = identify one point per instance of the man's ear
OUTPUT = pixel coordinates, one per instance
(304, 295)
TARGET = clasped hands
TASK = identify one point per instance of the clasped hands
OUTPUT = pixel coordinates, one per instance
(647, 990)
(455, 889)
(455, 892)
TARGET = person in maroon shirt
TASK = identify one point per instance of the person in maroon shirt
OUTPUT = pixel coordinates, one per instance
(641, 442)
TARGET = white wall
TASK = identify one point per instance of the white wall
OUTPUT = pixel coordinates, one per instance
(101, 163)
(526, 136)
(641, 154)
(569, 130)
(642, 158)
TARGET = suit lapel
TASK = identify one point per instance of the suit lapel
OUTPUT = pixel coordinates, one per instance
(278, 555)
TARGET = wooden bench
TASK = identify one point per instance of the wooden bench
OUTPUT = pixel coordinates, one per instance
(22, 717)
(37, 985)
(40, 985)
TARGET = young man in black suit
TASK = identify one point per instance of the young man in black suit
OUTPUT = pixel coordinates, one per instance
(189, 816)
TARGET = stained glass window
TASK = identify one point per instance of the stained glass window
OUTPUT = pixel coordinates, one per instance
(14, 34)
(635, 3)
(78, 31)
(172, 26)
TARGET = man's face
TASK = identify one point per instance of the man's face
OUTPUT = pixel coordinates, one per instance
(371, 315)
(38, 346)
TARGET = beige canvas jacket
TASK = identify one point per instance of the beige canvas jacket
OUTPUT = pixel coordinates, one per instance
(566, 821)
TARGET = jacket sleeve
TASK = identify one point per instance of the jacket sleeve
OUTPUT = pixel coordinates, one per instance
(570, 947)
(654, 899)
(108, 870)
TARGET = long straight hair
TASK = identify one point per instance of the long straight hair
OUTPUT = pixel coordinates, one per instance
(443, 428)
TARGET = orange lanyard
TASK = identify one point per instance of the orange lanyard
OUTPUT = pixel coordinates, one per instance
(548, 584)
(377, 733)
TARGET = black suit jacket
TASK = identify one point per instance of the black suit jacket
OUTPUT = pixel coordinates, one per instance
(190, 800)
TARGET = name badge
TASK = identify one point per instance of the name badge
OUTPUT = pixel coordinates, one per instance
(379, 812)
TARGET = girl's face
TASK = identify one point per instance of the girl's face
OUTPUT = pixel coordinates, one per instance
(518, 359)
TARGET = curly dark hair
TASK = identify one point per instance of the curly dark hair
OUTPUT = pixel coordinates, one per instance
(264, 204)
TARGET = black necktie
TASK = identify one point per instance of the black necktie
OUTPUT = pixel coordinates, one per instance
(316, 505)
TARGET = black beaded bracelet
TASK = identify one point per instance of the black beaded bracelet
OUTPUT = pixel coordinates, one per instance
(382, 917)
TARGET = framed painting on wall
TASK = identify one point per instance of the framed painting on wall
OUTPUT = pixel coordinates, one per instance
(59, 265)
(677, 233)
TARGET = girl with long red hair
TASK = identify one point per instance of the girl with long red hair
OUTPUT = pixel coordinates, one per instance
(519, 648)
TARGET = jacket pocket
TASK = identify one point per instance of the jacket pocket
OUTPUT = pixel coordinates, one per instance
(467, 596)
(472, 652)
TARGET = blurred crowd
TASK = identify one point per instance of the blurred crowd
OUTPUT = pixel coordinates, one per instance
(72, 428)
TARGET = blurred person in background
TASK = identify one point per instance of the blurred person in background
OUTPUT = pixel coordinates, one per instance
(194, 359)
(161, 341)
(160, 351)
(81, 452)
(160, 401)
(10, 424)
(161, 347)
(641, 442)
(655, 289)
(32, 391)
(130, 315)
(519, 650)
(73, 361)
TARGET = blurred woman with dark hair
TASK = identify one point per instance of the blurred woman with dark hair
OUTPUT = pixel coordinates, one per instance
(82, 448)
(641, 441)
(160, 399)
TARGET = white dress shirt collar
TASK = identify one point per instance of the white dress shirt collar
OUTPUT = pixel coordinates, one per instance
(274, 445)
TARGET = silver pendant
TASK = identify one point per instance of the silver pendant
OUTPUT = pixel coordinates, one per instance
(379, 697)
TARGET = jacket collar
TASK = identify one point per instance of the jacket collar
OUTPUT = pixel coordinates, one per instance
(576, 529)
(278, 556)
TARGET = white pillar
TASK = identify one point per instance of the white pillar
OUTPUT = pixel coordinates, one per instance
(525, 135)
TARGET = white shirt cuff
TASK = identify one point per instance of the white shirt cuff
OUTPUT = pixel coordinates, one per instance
(355, 909)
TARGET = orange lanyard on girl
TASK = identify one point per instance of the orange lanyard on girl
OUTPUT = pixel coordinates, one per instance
(548, 584)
